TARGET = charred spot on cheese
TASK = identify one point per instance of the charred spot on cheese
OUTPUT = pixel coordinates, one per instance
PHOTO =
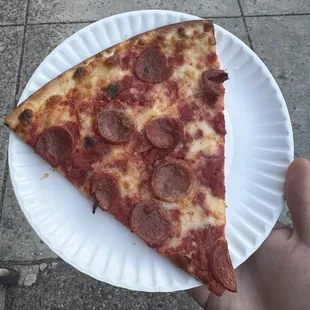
(25, 117)
(212, 41)
(161, 37)
(207, 26)
(79, 73)
(140, 42)
(112, 91)
(181, 32)
(202, 35)
(95, 206)
(53, 99)
(89, 142)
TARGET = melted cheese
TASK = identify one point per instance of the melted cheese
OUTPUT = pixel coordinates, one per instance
(170, 205)
(130, 181)
(188, 80)
(217, 206)
(193, 220)
(207, 145)
(144, 116)
(207, 130)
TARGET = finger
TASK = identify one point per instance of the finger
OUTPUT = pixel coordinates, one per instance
(280, 226)
(200, 294)
(297, 194)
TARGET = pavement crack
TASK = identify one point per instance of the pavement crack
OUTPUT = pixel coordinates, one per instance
(245, 26)
(12, 263)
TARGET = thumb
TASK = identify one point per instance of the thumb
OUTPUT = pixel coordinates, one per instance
(297, 194)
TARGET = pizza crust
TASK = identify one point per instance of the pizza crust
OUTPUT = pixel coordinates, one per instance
(64, 82)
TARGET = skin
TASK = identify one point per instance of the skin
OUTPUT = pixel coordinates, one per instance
(277, 275)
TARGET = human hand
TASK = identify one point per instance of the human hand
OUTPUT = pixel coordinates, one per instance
(277, 275)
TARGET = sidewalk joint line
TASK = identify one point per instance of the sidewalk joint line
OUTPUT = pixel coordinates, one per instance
(60, 23)
(278, 15)
(245, 26)
(221, 17)
(204, 17)
(17, 85)
(3, 185)
(12, 263)
(12, 25)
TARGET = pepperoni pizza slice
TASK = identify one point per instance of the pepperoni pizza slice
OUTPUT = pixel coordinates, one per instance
(139, 129)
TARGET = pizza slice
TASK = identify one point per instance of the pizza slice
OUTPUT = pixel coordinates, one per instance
(139, 129)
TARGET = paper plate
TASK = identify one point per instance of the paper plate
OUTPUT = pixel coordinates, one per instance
(259, 148)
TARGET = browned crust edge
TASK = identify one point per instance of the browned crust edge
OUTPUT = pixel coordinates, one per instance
(65, 78)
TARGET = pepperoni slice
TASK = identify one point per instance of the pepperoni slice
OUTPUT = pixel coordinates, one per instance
(211, 91)
(171, 181)
(211, 283)
(55, 145)
(218, 76)
(152, 66)
(115, 126)
(164, 132)
(211, 83)
(148, 222)
(211, 174)
(221, 265)
(77, 176)
(105, 190)
(84, 159)
(219, 123)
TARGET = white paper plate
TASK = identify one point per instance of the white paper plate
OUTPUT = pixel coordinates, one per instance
(259, 148)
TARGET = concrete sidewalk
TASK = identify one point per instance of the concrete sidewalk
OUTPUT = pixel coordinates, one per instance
(278, 31)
